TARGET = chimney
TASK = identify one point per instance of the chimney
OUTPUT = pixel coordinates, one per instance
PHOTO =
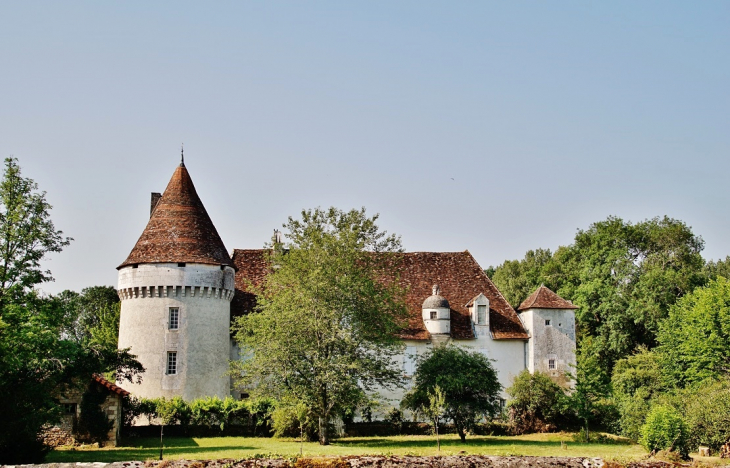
(154, 201)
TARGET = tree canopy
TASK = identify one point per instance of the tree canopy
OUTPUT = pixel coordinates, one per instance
(468, 381)
(325, 325)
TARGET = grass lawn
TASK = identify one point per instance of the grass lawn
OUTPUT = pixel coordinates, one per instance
(247, 447)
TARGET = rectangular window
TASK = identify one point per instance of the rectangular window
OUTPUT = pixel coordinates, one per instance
(174, 322)
(547, 322)
(551, 364)
(481, 314)
(409, 360)
(69, 408)
(433, 315)
(171, 363)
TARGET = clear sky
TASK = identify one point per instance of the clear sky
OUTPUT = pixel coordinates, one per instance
(496, 127)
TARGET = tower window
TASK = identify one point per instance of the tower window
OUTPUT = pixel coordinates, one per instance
(547, 322)
(171, 362)
(433, 315)
(481, 314)
(551, 364)
(174, 322)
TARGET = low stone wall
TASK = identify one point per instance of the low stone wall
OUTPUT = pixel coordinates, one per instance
(454, 461)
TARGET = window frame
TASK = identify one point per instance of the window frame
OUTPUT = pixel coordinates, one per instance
(176, 320)
(171, 366)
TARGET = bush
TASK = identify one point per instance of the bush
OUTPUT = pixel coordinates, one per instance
(707, 412)
(538, 404)
(665, 430)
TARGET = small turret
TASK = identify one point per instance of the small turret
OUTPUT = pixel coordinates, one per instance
(437, 313)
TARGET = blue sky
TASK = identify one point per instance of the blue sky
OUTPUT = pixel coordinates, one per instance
(495, 127)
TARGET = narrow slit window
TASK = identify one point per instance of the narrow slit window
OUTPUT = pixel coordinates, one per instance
(174, 322)
(481, 314)
(171, 363)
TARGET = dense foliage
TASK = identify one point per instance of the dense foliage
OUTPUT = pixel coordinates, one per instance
(324, 329)
(38, 357)
(468, 381)
(537, 404)
(665, 430)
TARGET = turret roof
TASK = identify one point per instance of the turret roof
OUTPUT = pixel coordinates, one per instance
(544, 298)
(179, 229)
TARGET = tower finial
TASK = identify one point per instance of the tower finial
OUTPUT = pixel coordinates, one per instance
(182, 154)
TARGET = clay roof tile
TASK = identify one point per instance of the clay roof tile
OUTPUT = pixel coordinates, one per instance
(179, 229)
(544, 298)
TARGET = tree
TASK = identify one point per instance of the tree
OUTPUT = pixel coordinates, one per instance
(537, 403)
(37, 360)
(436, 409)
(27, 233)
(636, 382)
(592, 388)
(92, 314)
(623, 276)
(324, 329)
(665, 430)
(468, 381)
(694, 342)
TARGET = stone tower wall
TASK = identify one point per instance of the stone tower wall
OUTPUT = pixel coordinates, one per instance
(202, 294)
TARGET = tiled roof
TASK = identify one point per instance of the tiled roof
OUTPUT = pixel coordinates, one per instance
(251, 270)
(544, 298)
(113, 388)
(457, 273)
(179, 229)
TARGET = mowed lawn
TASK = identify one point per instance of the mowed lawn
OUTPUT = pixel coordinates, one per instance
(248, 447)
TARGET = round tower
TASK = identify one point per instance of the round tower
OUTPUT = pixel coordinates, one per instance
(436, 313)
(176, 287)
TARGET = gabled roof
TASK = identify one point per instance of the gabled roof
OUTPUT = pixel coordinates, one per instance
(179, 229)
(544, 298)
(457, 273)
(110, 386)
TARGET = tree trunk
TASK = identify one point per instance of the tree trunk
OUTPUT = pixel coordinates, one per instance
(324, 438)
(438, 441)
(162, 427)
(462, 433)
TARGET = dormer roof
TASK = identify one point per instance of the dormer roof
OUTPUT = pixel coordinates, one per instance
(179, 229)
(544, 298)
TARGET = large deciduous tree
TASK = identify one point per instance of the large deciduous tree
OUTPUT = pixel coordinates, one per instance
(38, 359)
(324, 329)
(623, 276)
(468, 381)
(694, 342)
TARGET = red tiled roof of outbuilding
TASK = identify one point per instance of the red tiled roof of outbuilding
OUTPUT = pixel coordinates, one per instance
(179, 229)
(110, 386)
(544, 298)
(457, 273)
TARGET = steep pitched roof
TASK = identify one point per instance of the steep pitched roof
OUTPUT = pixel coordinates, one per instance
(544, 298)
(179, 229)
(457, 273)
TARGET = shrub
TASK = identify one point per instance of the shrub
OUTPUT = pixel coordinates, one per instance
(665, 430)
(707, 412)
(538, 404)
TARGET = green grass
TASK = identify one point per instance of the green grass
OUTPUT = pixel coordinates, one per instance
(248, 447)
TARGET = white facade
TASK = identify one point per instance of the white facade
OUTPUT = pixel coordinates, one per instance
(176, 320)
(551, 347)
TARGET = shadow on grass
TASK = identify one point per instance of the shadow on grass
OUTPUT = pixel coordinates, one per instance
(474, 441)
(137, 453)
(150, 442)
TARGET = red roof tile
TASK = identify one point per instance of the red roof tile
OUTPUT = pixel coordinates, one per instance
(179, 229)
(544, 298)
(457, 273)
(118, 390)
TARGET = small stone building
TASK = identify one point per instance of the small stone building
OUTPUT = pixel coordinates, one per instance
(66, 431)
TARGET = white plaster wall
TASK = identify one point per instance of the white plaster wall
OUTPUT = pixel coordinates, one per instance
(202, 341)
(508, 360)
(555, 340)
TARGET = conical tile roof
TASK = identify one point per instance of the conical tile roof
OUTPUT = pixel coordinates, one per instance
(544, 298)
(179, 229)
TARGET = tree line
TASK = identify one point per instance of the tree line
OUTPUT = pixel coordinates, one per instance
(653, 327)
